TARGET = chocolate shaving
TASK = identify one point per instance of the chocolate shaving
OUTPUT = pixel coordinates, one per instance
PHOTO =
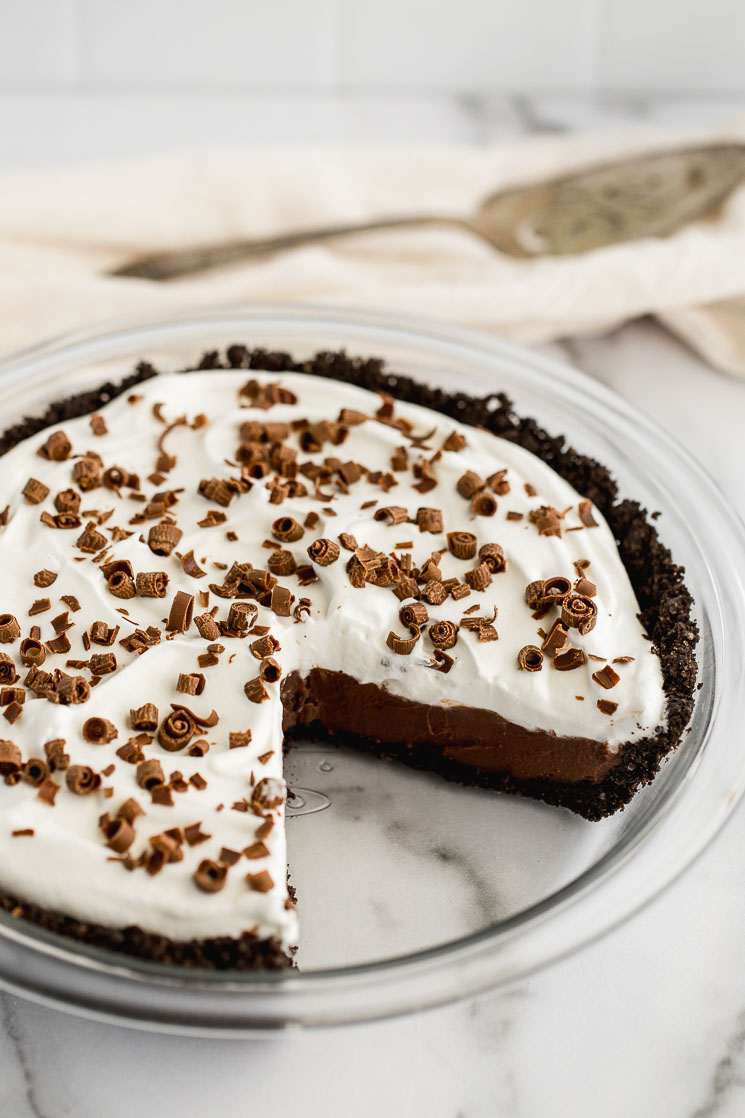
(585, 514)
(207, 626)
(239, 739)
(39, 606)
(547, 520)
(569, 659)
(607, 706)
(433, 592)
(556, 638)
(48, 790)
(454, 442)
(530, 658)
(58, 760)
(260, 882)
(469, 484)
(429, 520)
(282, 562)
(606, 677)
(190, 565)
(44, 578)
(101, 633)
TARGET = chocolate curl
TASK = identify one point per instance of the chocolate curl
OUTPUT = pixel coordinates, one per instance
(462, 544)
(302, 610)
(492, 555)
(210, 876)
(484, 504)
(401, 645)
(348, 542)
(269, 793)
(102, 663)
(282, 563)
(101, 633)
(57, 447)
(152, 584)
(241, 616)
(434, 593)
(117, 478)
(443, 634)
(86, 472)
(585, 588)
(406, 588)
(264, 646)
(182, 608)
(99, 731)
(56, 756)
(555, 590)
(392, 514)
(192, 683)
(176, 731)
(162, 538)
(429, 520)
(579, 613)
(119, 835)
(270, 671)
(287, 530)
(216, 489)
(568, 660)
(149, 774)
(10, 758)
(255, 690)
(469, 484)
(534, 593)
(413, 615)
(547, 520)
(144, 718)
(324, 552)
(82, 780)
(91, 539)
(35, 491)
(454, 442)
(530, 658)
(10, 630)
(441, 662)
(121, 585)
(479, 578)
(130, 810)
(8, 673)
(67, 500)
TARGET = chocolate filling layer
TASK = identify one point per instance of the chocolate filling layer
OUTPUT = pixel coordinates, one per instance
(481, 743)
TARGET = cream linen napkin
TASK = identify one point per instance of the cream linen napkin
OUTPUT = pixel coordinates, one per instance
(60, 230)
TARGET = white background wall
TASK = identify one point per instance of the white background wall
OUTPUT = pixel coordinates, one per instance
(99, 77)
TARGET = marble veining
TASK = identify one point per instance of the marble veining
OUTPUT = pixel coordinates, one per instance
(648, 1021)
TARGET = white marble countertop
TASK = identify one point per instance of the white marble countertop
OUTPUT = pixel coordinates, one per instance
(648, 1021)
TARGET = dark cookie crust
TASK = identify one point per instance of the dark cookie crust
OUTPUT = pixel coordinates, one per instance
(666, 613)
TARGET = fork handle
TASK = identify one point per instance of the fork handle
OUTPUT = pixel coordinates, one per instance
(185, 262)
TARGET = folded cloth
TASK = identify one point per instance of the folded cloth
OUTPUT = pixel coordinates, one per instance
(62, 230)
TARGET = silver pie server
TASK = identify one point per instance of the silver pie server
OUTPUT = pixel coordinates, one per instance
(644, 196)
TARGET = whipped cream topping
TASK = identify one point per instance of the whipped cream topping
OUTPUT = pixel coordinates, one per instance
(65, 865)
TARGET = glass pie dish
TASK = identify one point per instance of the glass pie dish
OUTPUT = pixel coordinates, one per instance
(412, 891)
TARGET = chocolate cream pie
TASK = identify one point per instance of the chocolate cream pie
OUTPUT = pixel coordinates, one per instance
(196, 567)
